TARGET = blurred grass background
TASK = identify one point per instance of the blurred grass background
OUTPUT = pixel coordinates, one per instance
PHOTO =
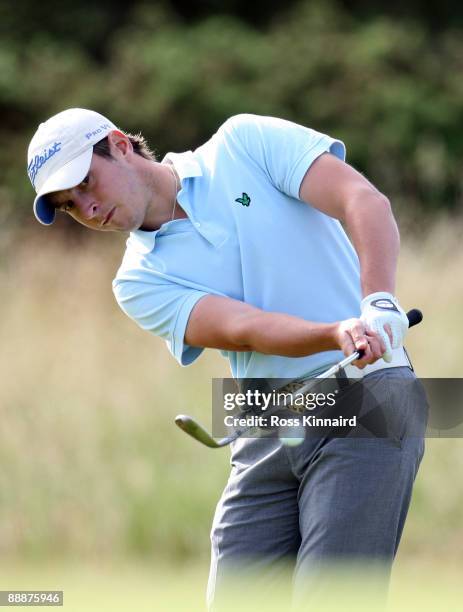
(100, 494)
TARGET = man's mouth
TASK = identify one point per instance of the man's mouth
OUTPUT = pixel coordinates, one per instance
(109, 216)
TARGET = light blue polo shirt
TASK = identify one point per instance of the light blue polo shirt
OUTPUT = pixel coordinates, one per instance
(247, 236)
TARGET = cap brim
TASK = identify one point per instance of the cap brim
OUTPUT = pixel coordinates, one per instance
(68, 176)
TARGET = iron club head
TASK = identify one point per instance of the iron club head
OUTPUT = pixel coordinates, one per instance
(196, 431)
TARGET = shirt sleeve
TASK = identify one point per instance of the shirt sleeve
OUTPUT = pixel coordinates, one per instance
(161, 307)
(283, 150)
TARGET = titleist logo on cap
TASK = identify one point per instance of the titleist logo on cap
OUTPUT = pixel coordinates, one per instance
(39, 160)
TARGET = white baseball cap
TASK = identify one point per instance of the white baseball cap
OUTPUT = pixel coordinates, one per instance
(60, 154)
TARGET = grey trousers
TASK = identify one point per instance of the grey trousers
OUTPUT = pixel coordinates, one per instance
(326, 500)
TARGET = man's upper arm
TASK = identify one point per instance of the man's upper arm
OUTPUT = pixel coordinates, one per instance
(187, 319)
(330, 185)
(160, 307)
(218, 322)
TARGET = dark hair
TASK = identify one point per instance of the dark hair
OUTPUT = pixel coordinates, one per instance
(140, 147)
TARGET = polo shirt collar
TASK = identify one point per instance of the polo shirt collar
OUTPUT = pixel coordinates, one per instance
(186, 167)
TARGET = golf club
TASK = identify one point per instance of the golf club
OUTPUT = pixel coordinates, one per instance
(196, 431)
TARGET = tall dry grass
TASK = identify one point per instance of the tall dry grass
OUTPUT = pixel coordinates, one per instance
(91, 463)
(430, 277)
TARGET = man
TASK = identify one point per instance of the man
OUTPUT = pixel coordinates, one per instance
(239, 246)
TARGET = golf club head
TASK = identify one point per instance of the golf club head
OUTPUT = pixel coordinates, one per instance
(196, 431)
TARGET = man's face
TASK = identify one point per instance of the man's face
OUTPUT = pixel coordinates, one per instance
(112, 197)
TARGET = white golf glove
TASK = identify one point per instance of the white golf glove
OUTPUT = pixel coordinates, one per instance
(382, 308)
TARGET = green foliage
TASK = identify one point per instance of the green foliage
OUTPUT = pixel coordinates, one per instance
(389, 88)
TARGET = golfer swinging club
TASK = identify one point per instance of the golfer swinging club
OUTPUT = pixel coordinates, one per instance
(238, 246)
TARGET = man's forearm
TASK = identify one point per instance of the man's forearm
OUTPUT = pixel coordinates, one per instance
(372, 228)
(274, 333)
(231, 325)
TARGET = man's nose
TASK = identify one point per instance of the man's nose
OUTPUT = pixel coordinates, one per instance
(86, 205)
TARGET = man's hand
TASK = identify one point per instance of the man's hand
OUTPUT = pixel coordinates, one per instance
(382, 315)
(351, 336)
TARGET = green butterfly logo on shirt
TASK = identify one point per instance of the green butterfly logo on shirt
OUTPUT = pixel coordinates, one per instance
(245, 200)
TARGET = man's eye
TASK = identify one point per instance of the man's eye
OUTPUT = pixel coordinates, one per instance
(66, 206)
(86, 179)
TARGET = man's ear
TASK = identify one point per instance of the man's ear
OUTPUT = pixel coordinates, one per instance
(119, 144)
